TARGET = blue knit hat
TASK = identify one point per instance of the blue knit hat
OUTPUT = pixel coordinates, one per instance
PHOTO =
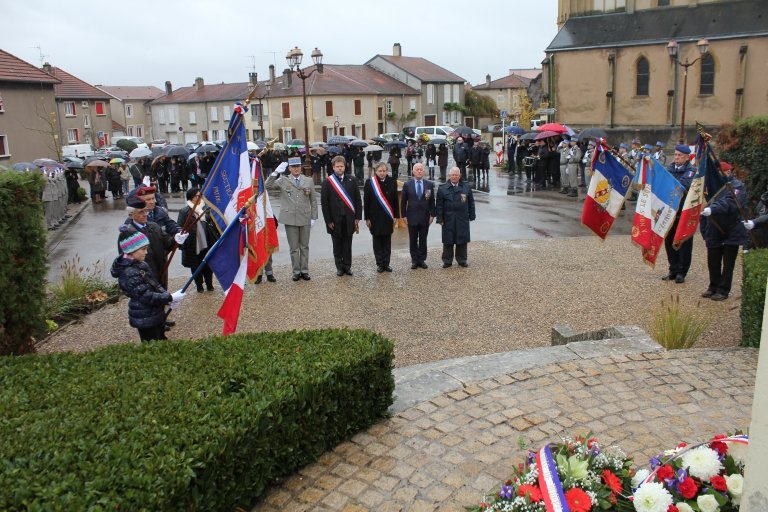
(132, 241)
(683, 149)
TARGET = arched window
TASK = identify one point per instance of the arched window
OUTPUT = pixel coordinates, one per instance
(707, 82)
(643, 76)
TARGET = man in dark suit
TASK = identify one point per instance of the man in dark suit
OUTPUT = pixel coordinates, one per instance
(342, 211)
(455, 208)
(418, 207)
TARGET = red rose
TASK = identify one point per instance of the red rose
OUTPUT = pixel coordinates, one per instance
(665, 472)
(688, 488)
(720, 447)
(578, 500)
(533, 492)
(718, 483)
(673, 508)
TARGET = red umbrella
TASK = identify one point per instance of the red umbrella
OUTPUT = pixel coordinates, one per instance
(546, 135)
(553, 127)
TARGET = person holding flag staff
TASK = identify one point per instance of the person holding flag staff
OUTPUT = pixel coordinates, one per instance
(342, 212)
(679, 258)
(724, 231)
(298, 212)
(380, 209)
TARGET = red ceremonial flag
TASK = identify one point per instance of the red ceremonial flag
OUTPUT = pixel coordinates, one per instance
(607, 189)
(262, 238)
(694, 199)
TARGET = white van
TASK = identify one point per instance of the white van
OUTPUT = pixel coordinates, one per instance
(433, 131)
(77, 150)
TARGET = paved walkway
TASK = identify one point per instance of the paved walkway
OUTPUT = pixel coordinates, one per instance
(445, 452)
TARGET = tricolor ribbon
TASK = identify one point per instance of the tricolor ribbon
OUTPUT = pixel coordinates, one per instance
(341, 191)
(549, 482)
(382, 198)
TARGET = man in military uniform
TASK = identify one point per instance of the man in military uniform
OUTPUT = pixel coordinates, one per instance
(679, 259)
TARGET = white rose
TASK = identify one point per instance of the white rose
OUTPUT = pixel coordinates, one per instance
(683, 507)
(707, 503)
(735, 485)
(639, 477)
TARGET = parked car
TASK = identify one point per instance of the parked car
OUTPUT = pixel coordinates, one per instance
(433, 131)
(136, 140)
(112, 152)
(409, 131)
(158, 143)
(191, 146)
(392, 136)
(77, 150)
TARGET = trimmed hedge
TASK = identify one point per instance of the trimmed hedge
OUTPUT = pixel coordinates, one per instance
(182, 425)
(24, 263)
(754, 278)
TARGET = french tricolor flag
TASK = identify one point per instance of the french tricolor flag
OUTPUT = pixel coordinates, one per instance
(230, 264)
(606, 193)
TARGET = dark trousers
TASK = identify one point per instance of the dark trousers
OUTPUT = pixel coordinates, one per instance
(461, 253)
(417, 235)
(206, 274)
(721, 262)
(463, 168)
(395, 168)
(342, 251)
(442, 172)
(409, 161)
(382, 249)
(152, 333)
(679, 260)
(475, 171)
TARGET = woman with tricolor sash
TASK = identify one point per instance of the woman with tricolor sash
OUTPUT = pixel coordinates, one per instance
(380, 210)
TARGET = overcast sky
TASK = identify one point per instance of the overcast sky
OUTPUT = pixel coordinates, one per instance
(146, 42)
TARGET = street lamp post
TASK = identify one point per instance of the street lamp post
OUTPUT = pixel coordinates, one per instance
(293, 58)
(260, 97)
(673, 50)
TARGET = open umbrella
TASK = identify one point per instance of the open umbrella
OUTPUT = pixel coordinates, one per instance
(140, 152)
(74, 165)
(318, 151)
(437, 141)
(553, 127)
(546, 134)
(95, 161)
(395, 144)
(514, 130)
(592, 133)
(175, 151)
(462, 131)
(358, 143)
(334, 150)
(117, 161)
(380, 140)
(278, 146)
(528, 136)
(25, 166)
(317, 144)
(337, 139)
(207, 148)
(372, 147)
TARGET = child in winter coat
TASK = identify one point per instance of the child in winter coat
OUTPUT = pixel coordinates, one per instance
(146, 309)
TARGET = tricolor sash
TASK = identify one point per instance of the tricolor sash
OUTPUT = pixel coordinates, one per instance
(549, 482)
(382, 198)
(341, 191)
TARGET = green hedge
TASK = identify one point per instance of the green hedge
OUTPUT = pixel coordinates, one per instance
(24, 263)
(183, 425)
(754, 279)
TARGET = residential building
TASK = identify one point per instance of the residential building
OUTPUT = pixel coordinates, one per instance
(437, 87)
(609, 64)
(28, 119)
(507, 92)
(83, 111)
(131, 113)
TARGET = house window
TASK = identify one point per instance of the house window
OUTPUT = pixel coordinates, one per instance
(130, 131)
(358, 107)
(101, 110)
(139, 132)
(86, 121)
(287, 132)
(193, 117)
(642, 76)
(455, 117)
(69, 109)
(456, 93)
(447, 93)
(446, 117)
(413, 105)
(171, 116)
(707, 82)
(430, 94)
(227, 112)
(388, 106)
(4, 151)
(2, 105)
(256, 111)
(128, 110)
(327, 133)
(286, 110)
(328, 108)
(161, 116)
(72, 135)
(214, 114)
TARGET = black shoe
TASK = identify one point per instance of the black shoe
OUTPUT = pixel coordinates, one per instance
(272, 278)
(463, 264)
(348, 271)
(423, 265)
(573, 193)
(718, 296)
(379, 269)
(258, 279)
(563, 190)
(296, 277)
(304, 276)
(388, 268)
(707, 294)
(210, 287)
(170, 323)
(339, 273)
(446, 265)
(414, 266)
(680, 279)
(669, 277)
(200, 289)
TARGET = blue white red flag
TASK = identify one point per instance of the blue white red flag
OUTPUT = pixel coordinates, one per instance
(657, 205)
(694, 198)
(264, 234)
(229, 262)
(606, 193)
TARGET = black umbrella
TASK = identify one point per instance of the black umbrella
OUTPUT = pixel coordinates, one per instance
(358, 143)
(207, 148)
(395, 144)
(528, 136)
(380, 140)
(592, 133)
(437, 141)
(463, 131)
(175, 151)
(74, 165)
(337, 139)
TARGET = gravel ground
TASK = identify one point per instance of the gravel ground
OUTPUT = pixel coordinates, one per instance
(509, 298)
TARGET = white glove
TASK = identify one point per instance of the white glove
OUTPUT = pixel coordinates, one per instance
(706, 212)
(749, 225)
(312, 223)
(282, 167)
(177, 296)
(181, 237)
(146, 181)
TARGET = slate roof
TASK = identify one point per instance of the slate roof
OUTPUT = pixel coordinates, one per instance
(130, 92)
(421, 68)
(13, 69)
(714, 21)
(71, 87)
(507, 82)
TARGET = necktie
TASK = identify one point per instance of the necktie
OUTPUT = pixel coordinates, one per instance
(418, 189)
(298, 182)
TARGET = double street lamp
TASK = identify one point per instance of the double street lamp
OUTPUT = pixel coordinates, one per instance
(673, 50)
(293, 58)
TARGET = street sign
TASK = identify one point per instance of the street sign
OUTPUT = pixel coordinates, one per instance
(547, 111)
(335, 124)
(503, 114)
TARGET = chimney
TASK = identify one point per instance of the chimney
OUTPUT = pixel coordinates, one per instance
(199, 84)
(287, 78)
(272, 74)
(47, 68)
(487, 80)
(397, 51)
(253, 78)
(168, 87)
